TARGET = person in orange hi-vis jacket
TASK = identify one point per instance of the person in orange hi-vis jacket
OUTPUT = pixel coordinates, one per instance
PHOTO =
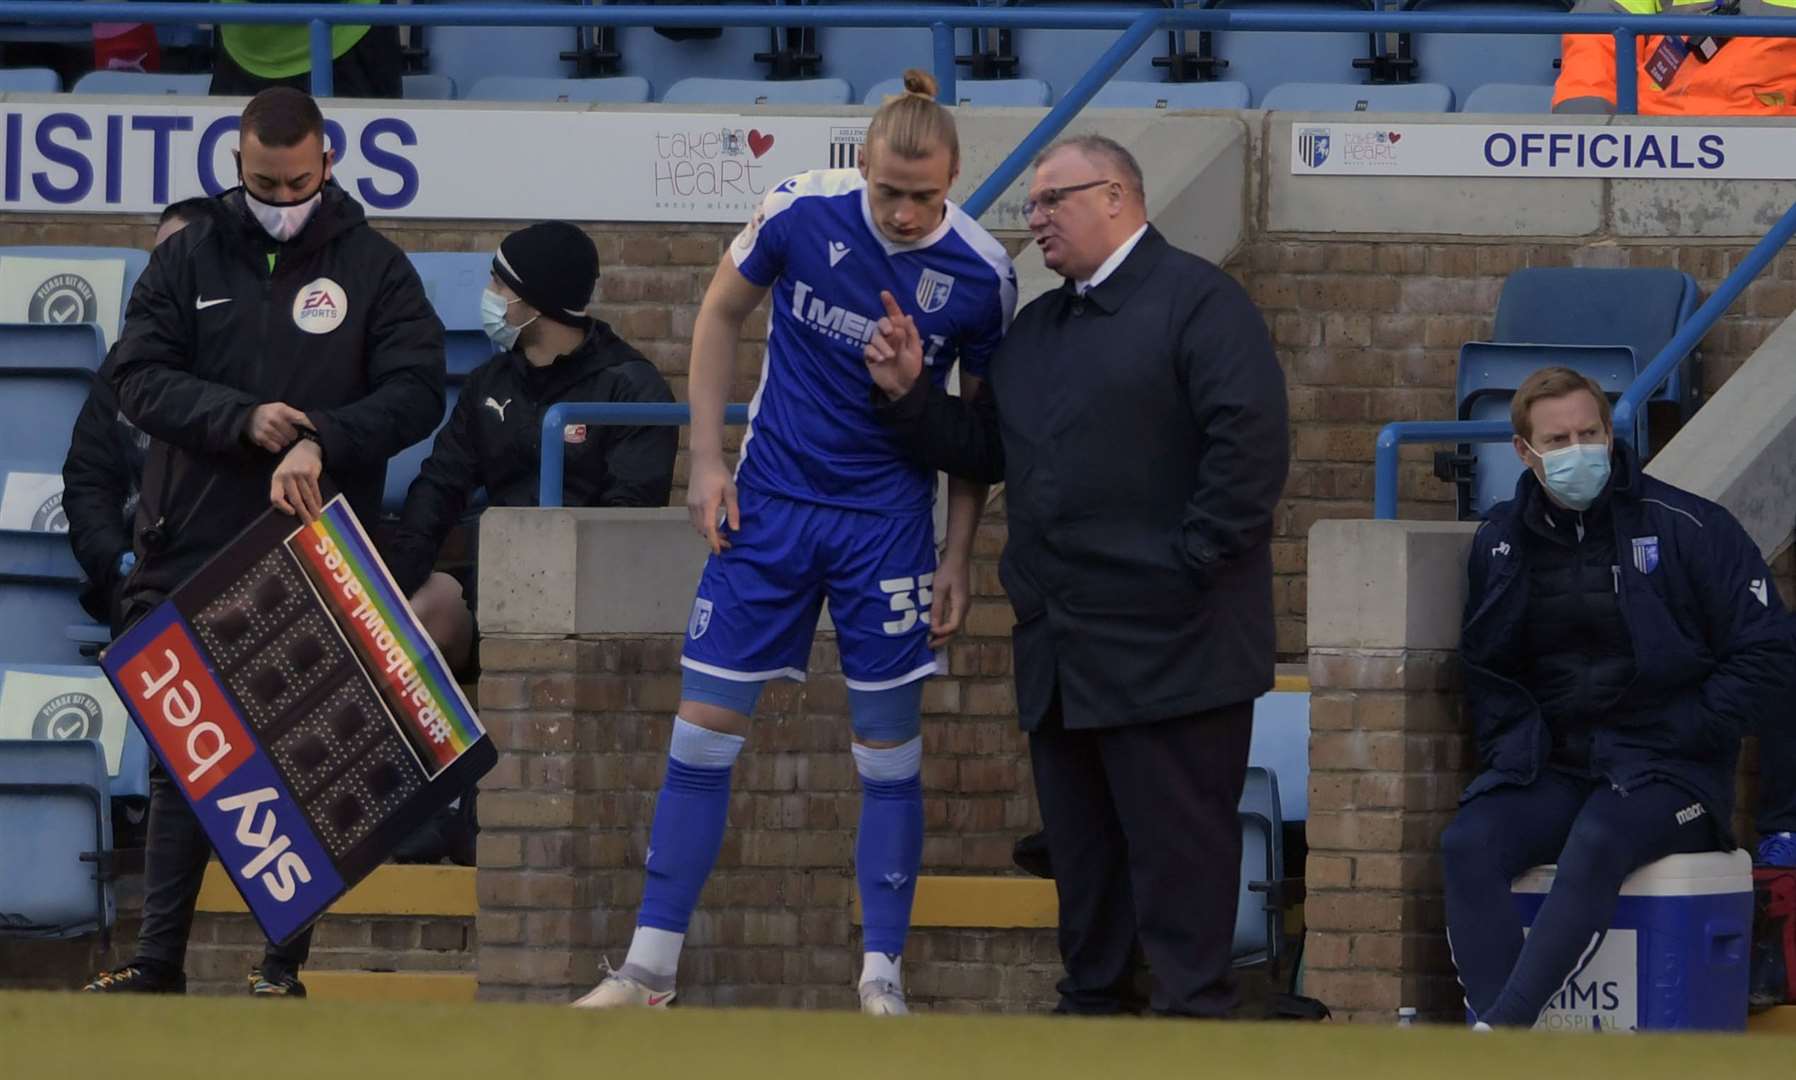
(1702, 75)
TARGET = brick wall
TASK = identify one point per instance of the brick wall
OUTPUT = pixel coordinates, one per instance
(583, 726)
(1368, 332)
(224, 948)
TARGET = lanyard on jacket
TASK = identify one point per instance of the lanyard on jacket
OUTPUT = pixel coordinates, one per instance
(1663, 65)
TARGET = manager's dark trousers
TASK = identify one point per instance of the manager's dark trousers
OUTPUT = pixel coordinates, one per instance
(1145, 840)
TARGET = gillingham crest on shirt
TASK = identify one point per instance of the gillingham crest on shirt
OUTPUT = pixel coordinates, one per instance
(933, 290)
(320, 307)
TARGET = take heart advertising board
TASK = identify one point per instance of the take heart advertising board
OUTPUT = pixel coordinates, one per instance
(302, 710)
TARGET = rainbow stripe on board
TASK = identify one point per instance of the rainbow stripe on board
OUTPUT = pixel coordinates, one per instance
(399, 655)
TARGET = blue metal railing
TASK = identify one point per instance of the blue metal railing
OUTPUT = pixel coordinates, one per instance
(1135, 26)
(602, 413)
(1393, 436)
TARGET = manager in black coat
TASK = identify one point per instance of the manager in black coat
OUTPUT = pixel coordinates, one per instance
(1137, 417)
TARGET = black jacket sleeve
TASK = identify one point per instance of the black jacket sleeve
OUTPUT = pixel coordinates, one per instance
(1747, 630)
(1237, 396)
(154, 376)
(405, 371)
(435, 501)
(96, 482)
(639, 461)
(941, 431)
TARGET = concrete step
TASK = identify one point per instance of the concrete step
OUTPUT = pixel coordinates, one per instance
(443, 987)
(389, 890)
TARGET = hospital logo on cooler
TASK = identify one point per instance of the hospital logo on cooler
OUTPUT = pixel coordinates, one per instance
(320, 307)
(933, 290)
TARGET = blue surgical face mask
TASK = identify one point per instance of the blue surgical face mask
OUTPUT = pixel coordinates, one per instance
(1576, 474)
(492, 319)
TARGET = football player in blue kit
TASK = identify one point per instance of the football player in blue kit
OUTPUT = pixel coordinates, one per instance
(824, 506)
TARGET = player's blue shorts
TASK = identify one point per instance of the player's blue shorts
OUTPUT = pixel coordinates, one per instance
(758, 602)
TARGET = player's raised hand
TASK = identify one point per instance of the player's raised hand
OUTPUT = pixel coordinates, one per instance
(895, 355)
(711, 499)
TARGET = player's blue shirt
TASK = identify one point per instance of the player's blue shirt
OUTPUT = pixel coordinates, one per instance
(812, 435)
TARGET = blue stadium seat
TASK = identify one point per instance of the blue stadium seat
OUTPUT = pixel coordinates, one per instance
(1170, 95)
(38, 407)
(139, 82)
(428, 88)
(38, 615)
(986, 93)
(454, 280)
(468, 54)
(1490, 373)
(1259, 915)
(1520, 99)
(70, 346)
(135, 259)
(1359, 97)
(624, 89)
(41, 555)
(1060, 57)
(29, 81)
(1639, 307)
(868, 55)
(55, 881)
(46, 701)
(1263, 60)
(1281, 745)
(663, 61)
(403, 467)
(1467, 61)
(705, 91)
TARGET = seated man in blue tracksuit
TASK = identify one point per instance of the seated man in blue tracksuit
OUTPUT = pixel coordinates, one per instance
(1620, 634)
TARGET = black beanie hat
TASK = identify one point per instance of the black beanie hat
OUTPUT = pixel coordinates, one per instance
(553, 267)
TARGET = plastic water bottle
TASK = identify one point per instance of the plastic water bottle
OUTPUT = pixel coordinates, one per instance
(1406, 1016)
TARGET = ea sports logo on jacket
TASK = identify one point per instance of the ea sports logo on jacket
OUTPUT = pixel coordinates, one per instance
(320, 307)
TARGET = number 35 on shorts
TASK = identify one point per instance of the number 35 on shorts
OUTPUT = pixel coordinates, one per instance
(910, 599)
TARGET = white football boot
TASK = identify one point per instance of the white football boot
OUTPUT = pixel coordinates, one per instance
(882, 997)
(618, 990)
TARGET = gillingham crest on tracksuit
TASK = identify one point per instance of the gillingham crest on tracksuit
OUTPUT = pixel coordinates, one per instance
(830, 507)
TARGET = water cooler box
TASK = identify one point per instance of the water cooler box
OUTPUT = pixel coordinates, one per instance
(1676, 955)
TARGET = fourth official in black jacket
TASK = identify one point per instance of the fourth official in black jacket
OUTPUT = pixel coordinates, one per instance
(225, 319)
(1137, 416)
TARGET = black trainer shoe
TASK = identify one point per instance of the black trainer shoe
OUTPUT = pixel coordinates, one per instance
(275, 984)
(132, 979)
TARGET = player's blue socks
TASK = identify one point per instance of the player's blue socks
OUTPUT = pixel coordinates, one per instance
(888, 853)
(683, 843)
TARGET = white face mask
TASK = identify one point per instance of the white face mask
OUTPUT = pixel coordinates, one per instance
(283, 220)
(492, 319)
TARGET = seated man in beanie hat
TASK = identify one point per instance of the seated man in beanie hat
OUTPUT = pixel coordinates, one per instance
(535, 310)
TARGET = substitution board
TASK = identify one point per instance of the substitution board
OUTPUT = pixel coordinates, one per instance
(302, 709)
